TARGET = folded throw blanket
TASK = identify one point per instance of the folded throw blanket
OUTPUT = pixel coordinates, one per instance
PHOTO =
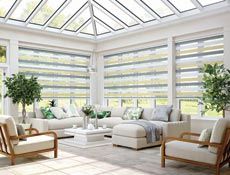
(152, 130)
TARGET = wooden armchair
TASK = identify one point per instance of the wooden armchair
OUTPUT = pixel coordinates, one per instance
(187, 150)
(12, 147)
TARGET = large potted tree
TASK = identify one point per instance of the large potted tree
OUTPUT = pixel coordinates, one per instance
(23, 90)
(216, 88)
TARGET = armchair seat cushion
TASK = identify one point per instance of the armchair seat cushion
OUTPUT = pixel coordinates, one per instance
(189, 151)
(35, 143)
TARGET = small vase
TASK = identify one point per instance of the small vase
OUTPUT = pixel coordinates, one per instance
(85, 122)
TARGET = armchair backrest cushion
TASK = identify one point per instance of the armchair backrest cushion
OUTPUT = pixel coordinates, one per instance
(11, 126)
(218, 132)
(175, 115)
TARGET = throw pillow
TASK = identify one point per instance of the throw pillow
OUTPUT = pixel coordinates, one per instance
(161, 113)
(132, 113)
(101, 115)
(38, 113)
(47, 113)
(205, 136)
(21, 131)
(58, 112)
(72, 111)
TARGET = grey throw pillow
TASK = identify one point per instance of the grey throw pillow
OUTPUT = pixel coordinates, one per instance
(161, 113)
(21, 131)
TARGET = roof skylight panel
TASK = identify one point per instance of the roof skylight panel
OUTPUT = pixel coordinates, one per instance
(106, 19)
(117, 12)
(138, 11)
(47, 11)
(5, 6)
(24, 9)
(182, 6)
(101, 29)
(88, 29)
(209, 2)
(80, 20)
(73, 7)
(159, 7)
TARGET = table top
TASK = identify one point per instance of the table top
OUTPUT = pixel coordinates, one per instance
(100, 130)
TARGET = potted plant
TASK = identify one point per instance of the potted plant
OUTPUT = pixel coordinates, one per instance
(216, 86)
(23, 90)
(87, 110)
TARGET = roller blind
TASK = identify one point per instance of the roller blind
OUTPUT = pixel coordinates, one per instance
(190, 58)
(62, 75)
(136, 74)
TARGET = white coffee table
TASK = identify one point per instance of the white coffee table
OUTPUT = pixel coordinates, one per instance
(88, 137)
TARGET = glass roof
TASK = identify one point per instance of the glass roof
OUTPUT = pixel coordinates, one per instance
(97, 19)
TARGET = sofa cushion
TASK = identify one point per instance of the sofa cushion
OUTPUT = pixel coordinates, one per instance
(38, 113)
(117, 112)
(132, 113)
(129, 130)
(58, 112)
(11, 126)
(34, 144)
(161, 113)
(218, 132)
(147, 113)
(110, 122)
(47, 113)
(189, 151)
(71, 111)
(56, 124)
(175, 115)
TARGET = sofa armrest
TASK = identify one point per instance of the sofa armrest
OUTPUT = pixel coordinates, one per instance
(40, 124)
(175, 129)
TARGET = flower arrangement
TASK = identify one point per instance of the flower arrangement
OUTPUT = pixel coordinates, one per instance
(87, 109)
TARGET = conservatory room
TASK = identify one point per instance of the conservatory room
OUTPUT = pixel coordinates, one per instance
(114, 87)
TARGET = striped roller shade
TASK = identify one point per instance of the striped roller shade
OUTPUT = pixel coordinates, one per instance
(61, 75)
(136, 74)
(190, 58)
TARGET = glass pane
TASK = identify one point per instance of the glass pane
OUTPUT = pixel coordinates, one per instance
(45, 102)
(81, 19)
(126, 103)
(161, 101)
(24, 9)
(2, 54)
(189, 107)
(208, 2)
(183, 5)
(80, 102)
(63, 102)
(144, 103)
(113, 102)
(106, 19)
(46, 11)
(1, 90)
(107, 4)
(213, 113)
(137, 10)
(28, 109)
(67, 13)
(101, 29)
(88, 29)
(159, 7)
(5, 6)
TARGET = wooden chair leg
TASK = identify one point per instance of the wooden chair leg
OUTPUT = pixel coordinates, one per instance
(55, 153)
(12, 160)
(218, 171)
(162, 161)
(163, 154)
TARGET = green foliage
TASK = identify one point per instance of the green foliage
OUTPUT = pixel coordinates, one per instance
(87, 109)
(23, 90)
(52, 103)
(216, 85)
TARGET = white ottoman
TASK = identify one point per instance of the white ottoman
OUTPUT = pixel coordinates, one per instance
(131, 135)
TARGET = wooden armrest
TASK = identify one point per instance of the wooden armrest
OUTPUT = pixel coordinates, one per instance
(168, 139)
(33, 135)
(32, 129)
(189, 133)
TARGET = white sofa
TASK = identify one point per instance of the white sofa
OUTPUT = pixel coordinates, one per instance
(174, 127)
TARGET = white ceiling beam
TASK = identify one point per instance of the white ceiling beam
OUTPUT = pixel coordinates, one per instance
(12, 10)
(152, 13)
(56, 14)
(127, 12)
(74, 17)
(35, 12)
(111, 16)
(197, 4)
(82, 27)
(171, 7)
(92, 18)
(105, 26)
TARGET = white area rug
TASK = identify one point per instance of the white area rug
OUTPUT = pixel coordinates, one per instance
(71, 142)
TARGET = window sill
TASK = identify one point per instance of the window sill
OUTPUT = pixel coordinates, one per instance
(205, 118)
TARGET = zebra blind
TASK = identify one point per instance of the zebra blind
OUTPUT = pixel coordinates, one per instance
(190, 58)
(62, 75)
(136, 74)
